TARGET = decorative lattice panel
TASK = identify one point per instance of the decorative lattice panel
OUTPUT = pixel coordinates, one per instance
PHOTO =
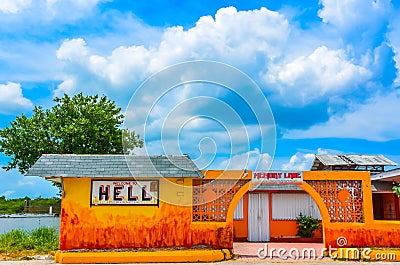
(211, 198)
(343, 199)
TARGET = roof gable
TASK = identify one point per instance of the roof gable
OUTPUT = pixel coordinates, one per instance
(70, 165)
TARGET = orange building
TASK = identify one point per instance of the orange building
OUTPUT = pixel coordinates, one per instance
(133, 205)
(386, 203)
(268, 212)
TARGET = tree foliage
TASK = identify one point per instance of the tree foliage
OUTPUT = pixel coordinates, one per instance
(75, 125)
(396, 189)
(16, 206)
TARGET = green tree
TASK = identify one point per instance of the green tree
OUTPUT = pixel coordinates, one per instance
(75, 125)
(396, 189)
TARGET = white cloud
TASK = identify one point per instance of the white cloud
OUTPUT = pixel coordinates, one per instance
(299, 161)
(321, 74)
(260, 40)
(12, 100)
(230, 37)
(303, 161)
(393, 36)
(7, 193)
(25, 182)
(374, 120)
(72, 50)
(14, 6)
(353, 14)
(253, 160)
(50, 10)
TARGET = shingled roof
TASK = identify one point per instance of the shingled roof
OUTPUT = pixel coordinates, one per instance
(54, 167)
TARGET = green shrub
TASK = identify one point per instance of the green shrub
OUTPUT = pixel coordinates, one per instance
(396, 189)
(306, 225)
(41, 240)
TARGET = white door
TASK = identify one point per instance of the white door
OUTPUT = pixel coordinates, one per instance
(258, 217)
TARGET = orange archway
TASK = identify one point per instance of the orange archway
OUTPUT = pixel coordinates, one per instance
(344, 199)
(305, 186)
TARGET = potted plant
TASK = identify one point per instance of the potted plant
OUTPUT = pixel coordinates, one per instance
(306, 225)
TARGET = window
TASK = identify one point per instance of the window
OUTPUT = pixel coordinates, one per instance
(288, 206)
(238, 215)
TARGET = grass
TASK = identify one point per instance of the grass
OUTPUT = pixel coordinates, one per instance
(42, 240)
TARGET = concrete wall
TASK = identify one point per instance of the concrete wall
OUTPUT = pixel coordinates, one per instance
(109, 226)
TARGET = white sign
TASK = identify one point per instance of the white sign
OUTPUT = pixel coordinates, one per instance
(277, 177)
(124, 192)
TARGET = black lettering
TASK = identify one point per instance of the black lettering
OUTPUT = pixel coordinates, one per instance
(104, 192)
(130, 194)
(145, 197)
(117, 191)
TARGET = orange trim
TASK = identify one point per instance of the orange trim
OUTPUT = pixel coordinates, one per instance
(235, 200)
(240, 227)
(191, 256)
(226, 174)
(321, 206)
(367, 200)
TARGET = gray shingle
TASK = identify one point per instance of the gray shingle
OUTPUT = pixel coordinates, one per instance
(115, 166)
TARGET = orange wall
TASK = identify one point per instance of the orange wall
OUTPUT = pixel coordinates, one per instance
(278, 228)
(370, 233)
(240, 226)
(282, 228)
(95, 227)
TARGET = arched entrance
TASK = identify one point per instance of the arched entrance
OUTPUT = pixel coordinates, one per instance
(262, 218)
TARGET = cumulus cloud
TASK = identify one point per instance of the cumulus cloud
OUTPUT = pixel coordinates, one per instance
(50, 9)
(371, 121)
(253, 160)
(353, 14)
(303, 161)
(12, 100)
(299, 161)
(72, 50)
(323, 73)
(394, 41)
(328, 72)
(13, 6)
(231, 36)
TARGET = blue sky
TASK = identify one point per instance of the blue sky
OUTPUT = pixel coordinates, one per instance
(328, 69)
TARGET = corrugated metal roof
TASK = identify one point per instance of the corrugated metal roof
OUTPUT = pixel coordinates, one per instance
(330, 160)
(69, 165)
(370, 160)
(390, 175)
(372, 163)
(359, 160)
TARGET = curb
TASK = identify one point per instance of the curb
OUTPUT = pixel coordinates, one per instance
(144, 257)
